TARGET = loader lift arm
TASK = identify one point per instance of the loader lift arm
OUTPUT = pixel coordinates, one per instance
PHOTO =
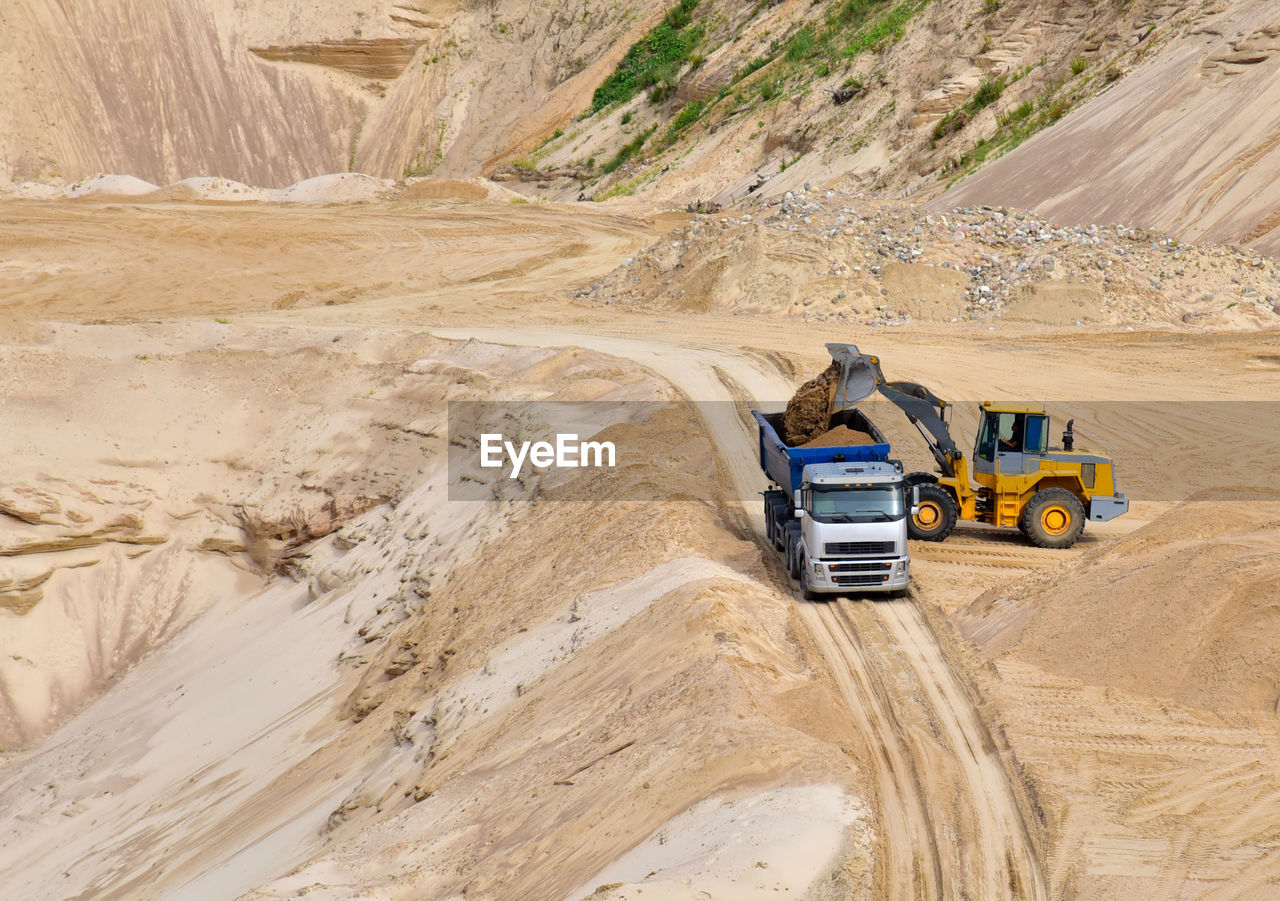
(927, 412)
(860, 377)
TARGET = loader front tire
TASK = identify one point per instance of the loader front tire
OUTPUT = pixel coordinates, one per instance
(935, 515)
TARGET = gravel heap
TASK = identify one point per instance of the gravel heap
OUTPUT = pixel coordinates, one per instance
(824, 256)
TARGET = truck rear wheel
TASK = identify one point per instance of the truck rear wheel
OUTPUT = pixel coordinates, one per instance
(789, 551)
(935, 515)
(1053, 518)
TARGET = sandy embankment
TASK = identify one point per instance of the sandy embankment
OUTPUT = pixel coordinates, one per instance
(635, 684)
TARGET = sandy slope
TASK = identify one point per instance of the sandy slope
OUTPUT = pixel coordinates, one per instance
(1201, 119)
(366, 699)
(273, 93)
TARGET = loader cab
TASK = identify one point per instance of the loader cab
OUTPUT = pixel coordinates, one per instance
(1007, 434)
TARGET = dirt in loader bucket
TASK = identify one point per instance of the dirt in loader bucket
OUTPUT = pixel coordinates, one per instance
(852, 377)
(808, 414)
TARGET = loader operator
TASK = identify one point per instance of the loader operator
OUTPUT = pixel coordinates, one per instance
(1014, 441)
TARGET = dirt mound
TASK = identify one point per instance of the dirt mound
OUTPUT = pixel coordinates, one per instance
(204, 187)
(1057, 304)
(808, 413)
(339, 187)
(110, 186)
(31, 190)
(841, 436)
(1184, 609)
(841, 257)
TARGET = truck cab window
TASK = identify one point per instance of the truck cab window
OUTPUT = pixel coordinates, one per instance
(856, 504)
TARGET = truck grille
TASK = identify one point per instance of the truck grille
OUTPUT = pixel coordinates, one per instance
(862, 579)
(870, 572)
(871, 566)
(860, 548)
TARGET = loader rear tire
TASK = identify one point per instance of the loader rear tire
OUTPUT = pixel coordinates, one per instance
(935, 514)
(1053, 518)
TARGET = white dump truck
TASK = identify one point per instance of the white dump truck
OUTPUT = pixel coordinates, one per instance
(838, 514)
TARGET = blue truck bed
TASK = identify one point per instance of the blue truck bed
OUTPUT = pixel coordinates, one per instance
(784, 464)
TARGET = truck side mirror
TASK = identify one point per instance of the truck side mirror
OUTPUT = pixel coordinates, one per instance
(799, 512)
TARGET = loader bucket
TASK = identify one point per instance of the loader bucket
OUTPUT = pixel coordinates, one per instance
(859, 376)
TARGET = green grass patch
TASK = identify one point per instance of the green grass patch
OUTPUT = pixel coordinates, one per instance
(685, 118)
(1014, 127)
(801, 45)
(654, 61)
(886, 30)
(988, 92)
(1018, 114)
(628, 150)
(752, 67)
(848, 29)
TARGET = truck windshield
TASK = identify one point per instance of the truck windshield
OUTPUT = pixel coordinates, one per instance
(857, 504)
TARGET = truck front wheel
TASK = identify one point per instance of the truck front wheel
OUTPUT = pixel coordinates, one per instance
(805, 591)
(935, 514)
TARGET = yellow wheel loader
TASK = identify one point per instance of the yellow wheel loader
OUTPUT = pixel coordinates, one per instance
(1047, 492)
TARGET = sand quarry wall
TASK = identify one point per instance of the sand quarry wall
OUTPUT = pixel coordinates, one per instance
(1188, 143)
(274, 93)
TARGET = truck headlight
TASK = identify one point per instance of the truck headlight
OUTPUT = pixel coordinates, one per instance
(817, 568)
(900, 568)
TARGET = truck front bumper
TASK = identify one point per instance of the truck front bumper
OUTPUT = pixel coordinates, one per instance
(845, 576)
(1102, 509)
